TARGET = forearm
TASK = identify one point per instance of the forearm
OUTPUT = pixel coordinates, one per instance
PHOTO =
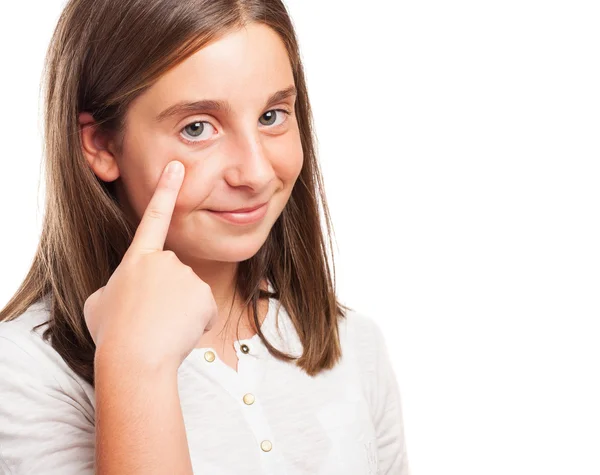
(139, 424)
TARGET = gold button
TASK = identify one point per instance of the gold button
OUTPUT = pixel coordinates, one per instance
(209, 356)
(249, 398)
(245, 348)
(266, 446)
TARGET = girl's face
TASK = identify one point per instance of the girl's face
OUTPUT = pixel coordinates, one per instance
(239, 150)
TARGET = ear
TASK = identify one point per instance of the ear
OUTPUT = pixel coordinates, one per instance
(97, 149)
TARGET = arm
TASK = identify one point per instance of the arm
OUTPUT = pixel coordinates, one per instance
(139, 423)
(389, 423)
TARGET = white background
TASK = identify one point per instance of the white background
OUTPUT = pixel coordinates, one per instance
(460, 146)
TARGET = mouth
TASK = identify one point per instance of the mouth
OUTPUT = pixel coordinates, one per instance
(239, 210)
(242, 216)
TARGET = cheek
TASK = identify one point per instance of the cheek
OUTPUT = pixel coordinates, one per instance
(201, 178)
(290, 157)
(140, 175)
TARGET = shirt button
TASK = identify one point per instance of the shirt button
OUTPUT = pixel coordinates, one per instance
(209, 356)
(249, 398)
(245, 348)
(266, 445)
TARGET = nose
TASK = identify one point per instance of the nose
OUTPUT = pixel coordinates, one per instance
(251, 165)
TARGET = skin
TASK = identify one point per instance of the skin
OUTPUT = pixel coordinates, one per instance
(241, 160)
(238, 159)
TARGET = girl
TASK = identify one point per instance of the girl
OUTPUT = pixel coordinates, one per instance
(183, 195)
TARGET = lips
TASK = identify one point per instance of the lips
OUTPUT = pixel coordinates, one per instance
(255, 215)
(239, 210)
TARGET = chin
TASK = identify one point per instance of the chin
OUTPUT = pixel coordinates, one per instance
(236, 248)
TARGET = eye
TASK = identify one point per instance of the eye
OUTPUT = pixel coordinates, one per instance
(269, 116)
(195, 130)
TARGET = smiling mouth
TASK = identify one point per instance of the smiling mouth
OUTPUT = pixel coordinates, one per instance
(239, 210)
(255, 215)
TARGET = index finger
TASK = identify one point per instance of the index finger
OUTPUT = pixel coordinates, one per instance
(152, 231)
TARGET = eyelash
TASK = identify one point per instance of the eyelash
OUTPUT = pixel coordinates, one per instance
(197, 142)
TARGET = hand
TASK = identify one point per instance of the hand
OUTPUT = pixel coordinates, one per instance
(153, 309)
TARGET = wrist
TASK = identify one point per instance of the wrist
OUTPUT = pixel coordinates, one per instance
(127, 360)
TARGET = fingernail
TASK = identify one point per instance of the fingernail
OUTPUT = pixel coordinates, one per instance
(174, 168)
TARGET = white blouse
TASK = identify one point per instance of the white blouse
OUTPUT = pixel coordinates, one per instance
(268, 418)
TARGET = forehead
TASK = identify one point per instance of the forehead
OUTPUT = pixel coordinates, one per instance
(242, 67)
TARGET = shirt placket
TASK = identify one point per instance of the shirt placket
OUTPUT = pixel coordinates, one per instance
(244, 387)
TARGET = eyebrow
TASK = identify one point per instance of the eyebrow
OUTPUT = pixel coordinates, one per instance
(210, 105)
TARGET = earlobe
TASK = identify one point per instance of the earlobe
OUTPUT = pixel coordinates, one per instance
(96, 150)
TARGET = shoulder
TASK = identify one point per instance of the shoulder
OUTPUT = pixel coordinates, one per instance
(37, 313)
(356, 321)
(21, 339)
(364, 347)
(24, 351)
(21, 332)
(361, 334)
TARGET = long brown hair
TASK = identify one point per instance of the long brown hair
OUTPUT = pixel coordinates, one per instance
(102, 55)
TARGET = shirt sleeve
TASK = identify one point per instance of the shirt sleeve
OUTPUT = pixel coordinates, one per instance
(43, 428)
(388, 420)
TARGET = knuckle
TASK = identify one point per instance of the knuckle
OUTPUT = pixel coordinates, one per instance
(129, 259)
(169, 254)
(204, 287)
(197, 286)
(189, 270)
(131, 263)
(153, 213)
(88, 305)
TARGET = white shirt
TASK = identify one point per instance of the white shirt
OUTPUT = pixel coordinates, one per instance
(269, 418)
